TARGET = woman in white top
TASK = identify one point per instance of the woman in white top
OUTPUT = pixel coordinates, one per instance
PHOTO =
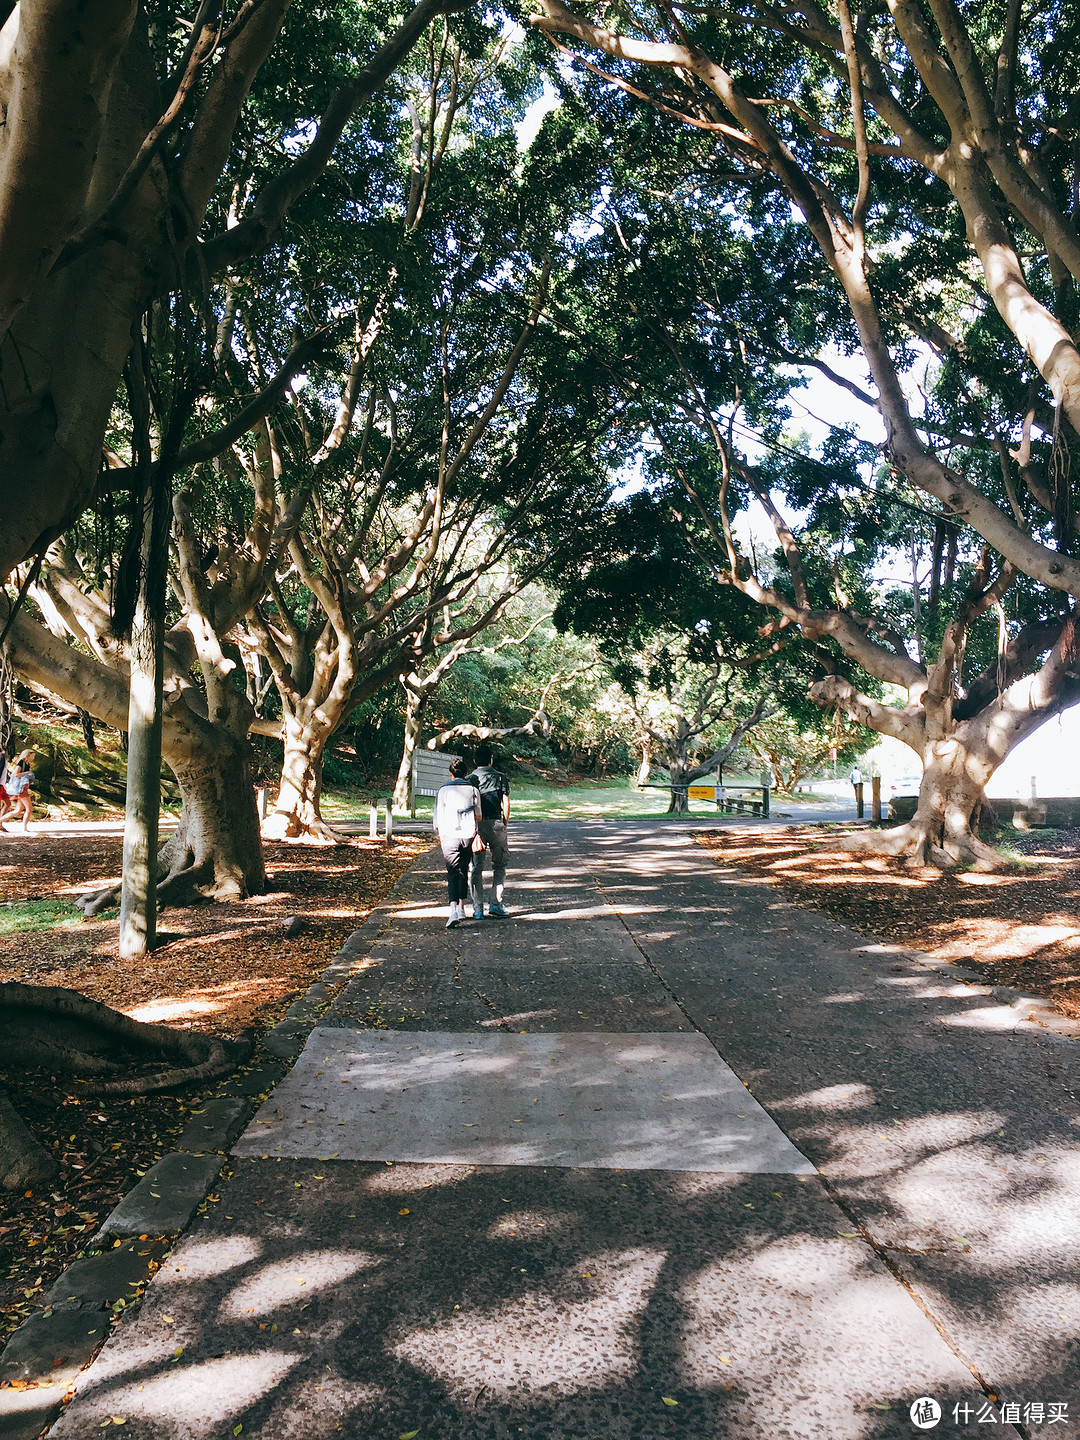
(457, 822)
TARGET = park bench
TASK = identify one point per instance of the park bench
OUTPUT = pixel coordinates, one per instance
(727, 802)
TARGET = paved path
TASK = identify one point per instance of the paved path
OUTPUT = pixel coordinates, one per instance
(660, 1137)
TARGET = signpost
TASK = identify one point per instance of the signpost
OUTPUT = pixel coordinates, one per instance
(430, 770)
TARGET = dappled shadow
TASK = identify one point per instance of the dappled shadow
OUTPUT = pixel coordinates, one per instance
(947, 1125)
(469, 1302)
(1021, 925)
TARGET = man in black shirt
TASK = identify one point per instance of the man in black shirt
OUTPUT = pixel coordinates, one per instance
(494, 790)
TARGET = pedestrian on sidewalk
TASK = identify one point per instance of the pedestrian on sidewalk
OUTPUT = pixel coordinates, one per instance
(457, 823)
(494, 790)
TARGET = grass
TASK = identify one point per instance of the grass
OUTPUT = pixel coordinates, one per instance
(21, 916)
(617, 799)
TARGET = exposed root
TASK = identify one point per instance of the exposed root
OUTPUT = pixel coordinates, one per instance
(288, 826)
(916, 846)
(62, 1030)
(23, 1162)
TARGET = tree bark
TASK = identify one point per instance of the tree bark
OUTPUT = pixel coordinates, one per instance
(142, 806)
(414, 710)
(23, 1162)
(943, 832)
(296, 814)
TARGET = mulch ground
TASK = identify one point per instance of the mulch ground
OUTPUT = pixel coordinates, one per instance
(221, 968)
(1020, 927)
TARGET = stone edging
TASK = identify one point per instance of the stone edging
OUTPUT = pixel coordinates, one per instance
(52, 1346)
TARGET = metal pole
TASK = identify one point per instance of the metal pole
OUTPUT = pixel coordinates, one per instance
(765, 802)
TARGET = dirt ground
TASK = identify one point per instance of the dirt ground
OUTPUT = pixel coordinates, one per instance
(1021, 926)
(221, 968)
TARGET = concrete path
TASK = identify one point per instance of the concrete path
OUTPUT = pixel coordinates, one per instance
(659, 1155)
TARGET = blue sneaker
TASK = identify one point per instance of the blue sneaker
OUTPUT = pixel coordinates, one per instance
(497, 909)
(478, 912)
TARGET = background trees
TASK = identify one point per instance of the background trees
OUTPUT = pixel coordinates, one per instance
(874, 187)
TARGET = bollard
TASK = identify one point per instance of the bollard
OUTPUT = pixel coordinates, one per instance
(389, 821)
(373, 822)
(260, 801)
(858, 801)
(765, 802)
(875, 799)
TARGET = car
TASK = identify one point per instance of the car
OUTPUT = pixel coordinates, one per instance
(906, 785)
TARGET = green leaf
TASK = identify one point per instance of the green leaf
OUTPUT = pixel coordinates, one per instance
(237, 1429)
(668, 1400)
(408, 1435)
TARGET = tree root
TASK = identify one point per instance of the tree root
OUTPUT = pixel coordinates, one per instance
(23, 1162)
(914, 845)
(60, 1029)
(283, 825)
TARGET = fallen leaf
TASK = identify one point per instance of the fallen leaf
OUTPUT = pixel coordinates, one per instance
(849, 1234)
(404, 1212)
(408, 1435)
(168, 1320)
(724, 1359)
(668, 1400)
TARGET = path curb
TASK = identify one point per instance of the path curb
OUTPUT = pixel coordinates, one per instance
(51, 1347)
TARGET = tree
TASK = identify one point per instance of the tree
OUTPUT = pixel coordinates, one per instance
(681, 703)
(793, 751)
(119, 129)
(888, 139)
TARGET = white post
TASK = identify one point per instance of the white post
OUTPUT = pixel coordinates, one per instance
(373, 822)
(1034, 796)
(389, 821)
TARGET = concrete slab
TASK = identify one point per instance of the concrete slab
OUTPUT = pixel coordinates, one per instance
(645, 1102)
(94, 1281)
(215, 1125)
(488, 1304)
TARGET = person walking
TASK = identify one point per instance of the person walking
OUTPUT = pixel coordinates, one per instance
(494, 790)
(457, 823)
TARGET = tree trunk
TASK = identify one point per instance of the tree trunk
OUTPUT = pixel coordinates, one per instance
(414, 710)
(943, 831)
(645, 767)
(142, 804)
(216, 850)
(296, 815)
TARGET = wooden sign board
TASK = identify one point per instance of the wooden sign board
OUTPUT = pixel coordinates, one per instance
(431, 770)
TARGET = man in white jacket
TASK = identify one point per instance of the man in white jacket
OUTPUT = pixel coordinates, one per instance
(457, 822)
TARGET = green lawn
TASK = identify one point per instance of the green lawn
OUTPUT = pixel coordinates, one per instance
(602, 800)
(20, 916)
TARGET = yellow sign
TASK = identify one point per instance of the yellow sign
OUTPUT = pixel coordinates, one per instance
(701, 792)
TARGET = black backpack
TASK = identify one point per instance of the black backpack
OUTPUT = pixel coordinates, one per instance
(493, 785)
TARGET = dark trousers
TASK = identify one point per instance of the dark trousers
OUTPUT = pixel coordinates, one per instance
(457, 854)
